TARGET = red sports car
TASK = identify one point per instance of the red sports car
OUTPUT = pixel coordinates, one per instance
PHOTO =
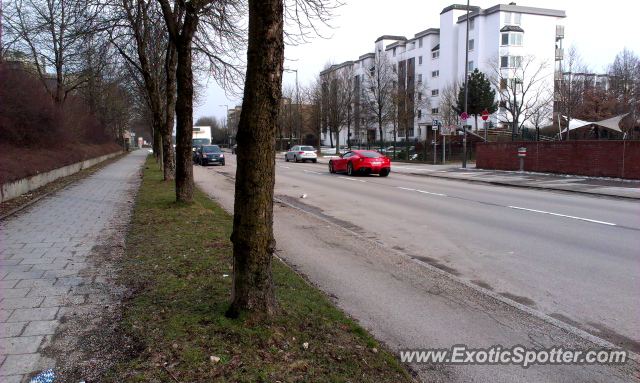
(361, 162)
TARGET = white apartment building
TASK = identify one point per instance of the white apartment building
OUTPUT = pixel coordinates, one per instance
(436, 55)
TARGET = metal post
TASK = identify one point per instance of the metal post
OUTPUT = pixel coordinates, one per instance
(443, 148)
(298, 110)
(485, 131)
(227, 124)
(435, 137)
(466, 90)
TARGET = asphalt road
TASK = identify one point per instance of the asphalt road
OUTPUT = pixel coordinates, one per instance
(572, 257)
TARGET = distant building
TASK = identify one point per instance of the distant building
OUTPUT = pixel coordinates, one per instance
(436, 55)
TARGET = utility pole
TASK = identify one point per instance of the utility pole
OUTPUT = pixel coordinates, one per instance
(226, 122)
(466, 91)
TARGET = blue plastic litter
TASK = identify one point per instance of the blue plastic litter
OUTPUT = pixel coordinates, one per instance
(43, 377)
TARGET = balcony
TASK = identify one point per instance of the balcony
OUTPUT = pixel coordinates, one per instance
(560, 31)
(559, 54)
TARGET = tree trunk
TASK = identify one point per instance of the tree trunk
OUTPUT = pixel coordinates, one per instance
(184, 126)
(157, 144)
(170, 67)
(253, 241)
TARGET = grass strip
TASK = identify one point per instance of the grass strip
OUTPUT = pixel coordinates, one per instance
(179, 261)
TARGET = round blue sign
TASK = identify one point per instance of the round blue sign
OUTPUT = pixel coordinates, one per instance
(463, 116)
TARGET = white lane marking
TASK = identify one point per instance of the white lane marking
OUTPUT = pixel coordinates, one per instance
(309, 171)
(286, 167)
(352, 179)
(562, 215)
(422, 191)
(426, 192)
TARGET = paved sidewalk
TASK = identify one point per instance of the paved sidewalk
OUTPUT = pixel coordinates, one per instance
(599, 186)
(43, 252)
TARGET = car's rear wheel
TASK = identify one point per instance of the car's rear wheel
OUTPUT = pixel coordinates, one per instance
(384, 172)
(286, 158)
(314, 161)
(350, 170)
(331, 167)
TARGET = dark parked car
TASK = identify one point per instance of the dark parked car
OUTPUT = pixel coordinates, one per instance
(194, 155)
(210, 154)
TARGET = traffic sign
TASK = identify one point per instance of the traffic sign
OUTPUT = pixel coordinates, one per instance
(463, 116)
(435, 125)
(485, 115)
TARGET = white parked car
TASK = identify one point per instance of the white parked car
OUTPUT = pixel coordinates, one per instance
(301, 153)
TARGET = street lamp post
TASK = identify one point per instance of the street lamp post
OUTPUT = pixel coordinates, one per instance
(466, 89)
(226, 122)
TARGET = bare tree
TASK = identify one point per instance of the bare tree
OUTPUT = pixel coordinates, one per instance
(253, 240)
(570, 88)
(625, 79)
(312, 96)
(219, 24)
(521, 84)
(141, 38)
(347, 83)
(543, 114)
(334, 106)
(378, 92)
(447, 103)
(52, 33)
(412, 100)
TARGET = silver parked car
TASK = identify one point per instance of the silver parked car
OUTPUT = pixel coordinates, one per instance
(301, 153)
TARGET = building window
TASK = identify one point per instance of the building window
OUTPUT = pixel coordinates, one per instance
(471, 44)
(503, 83)
(517, 18)
(470, 66)
(472, 24)
(395, 69)
(507, 18)
(435, 54)
(512, 39)
(419, 60)
(419, 113)
(419, 78)
(435, 111)
(420, 42)
(515, 61)
(435, 73)
(504, 61)
(435, 92)
(419, 96)
(394, 52)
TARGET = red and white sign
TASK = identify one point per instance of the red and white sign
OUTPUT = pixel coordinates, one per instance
(463, 116)
(522, 152)
(485, 115)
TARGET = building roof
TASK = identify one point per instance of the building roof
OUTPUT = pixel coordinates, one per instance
(336, 67)
(430, 31)
(391, 37)
(460, 7)
(435, 48)
(367, 56)
(511, 28)
(395, 44)
(513, 8)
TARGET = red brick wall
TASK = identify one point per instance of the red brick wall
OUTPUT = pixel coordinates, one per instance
(619, 159)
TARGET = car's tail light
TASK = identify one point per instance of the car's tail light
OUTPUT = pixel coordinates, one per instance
(315, 151)
(204, 156)
(300, 152)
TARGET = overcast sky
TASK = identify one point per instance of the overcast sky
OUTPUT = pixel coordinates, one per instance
(601, 29)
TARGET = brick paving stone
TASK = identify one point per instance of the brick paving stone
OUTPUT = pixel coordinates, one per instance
(21, 303)
(19, 364)
(44, 250)
(12, 329)
(15, 293)
(25, 315)
(41, 328)
(20, 345)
